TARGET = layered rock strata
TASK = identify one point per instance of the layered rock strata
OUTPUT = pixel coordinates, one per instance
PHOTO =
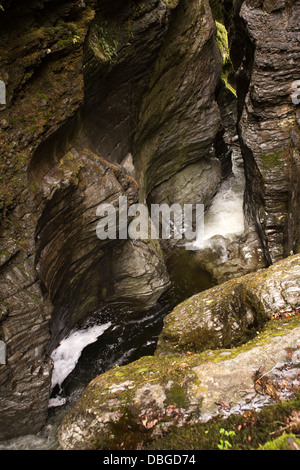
(268, 125)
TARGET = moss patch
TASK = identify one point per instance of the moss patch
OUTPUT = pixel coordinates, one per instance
(271, 160)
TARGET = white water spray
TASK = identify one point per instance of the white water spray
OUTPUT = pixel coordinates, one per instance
(225, 216)
(66, 355)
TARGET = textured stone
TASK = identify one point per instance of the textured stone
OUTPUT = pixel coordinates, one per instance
(121, 50)
(80, 271)
(46, 69)
(39, 63)
(179, 117)
(227, 314)
(268, 122)
(129, 406)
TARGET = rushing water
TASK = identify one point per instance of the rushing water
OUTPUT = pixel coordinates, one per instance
(98, 345)
(225, 215)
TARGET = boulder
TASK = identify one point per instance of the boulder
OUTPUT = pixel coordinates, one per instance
(130, 406)
(40, 63)
(230, 313)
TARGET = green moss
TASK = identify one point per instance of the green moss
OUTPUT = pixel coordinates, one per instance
(177, 396)
(270, 330)
(104, 37)
(172, 3)
(222, 41)
(281, 443)
(271, 161)
(226, 83)
(200, 339)
(227, 77)
(217, 10)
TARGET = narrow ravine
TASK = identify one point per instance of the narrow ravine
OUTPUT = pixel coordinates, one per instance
(95, 346)
(148, 102)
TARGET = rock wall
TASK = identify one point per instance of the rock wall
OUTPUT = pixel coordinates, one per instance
(41, 57)
(49, 248)
(127, 98)
(75, 75)
(268, 124)
(179, 117)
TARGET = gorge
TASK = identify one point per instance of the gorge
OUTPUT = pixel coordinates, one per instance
(161, 102)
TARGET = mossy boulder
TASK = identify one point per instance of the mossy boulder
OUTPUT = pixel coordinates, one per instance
(231, 313)
(131, 406)
(191, 381)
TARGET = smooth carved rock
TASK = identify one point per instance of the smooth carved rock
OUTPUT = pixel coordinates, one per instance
(48, 76)
(39, 63)
(80, 271)
(121, 50)
(179, 117)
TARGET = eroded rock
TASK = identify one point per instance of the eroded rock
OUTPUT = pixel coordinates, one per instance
(179, 117)
(80, 271)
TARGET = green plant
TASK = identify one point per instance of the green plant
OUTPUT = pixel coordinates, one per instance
(75, 39)
(225, 444)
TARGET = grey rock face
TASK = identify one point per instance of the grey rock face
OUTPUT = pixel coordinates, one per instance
(121, 50)
(136, 79)
(80, 271)
(179, 116)
(268, 123)
(43, 69)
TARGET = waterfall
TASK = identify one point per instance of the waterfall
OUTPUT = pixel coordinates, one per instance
(225, 215)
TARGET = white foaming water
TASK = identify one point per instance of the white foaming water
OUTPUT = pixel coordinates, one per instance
(225, 216)
(66, 355)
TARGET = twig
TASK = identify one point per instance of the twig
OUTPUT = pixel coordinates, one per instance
(261, 376)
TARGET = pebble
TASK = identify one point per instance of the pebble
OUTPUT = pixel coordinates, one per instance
(4, 124)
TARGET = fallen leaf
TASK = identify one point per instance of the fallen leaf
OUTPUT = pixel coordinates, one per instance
(224, 404)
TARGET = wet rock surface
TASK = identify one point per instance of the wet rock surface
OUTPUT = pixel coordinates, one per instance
(99, 93)
(179, 117)
(130, 406)
(80, 271)
(41, 95)
(44, 64)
